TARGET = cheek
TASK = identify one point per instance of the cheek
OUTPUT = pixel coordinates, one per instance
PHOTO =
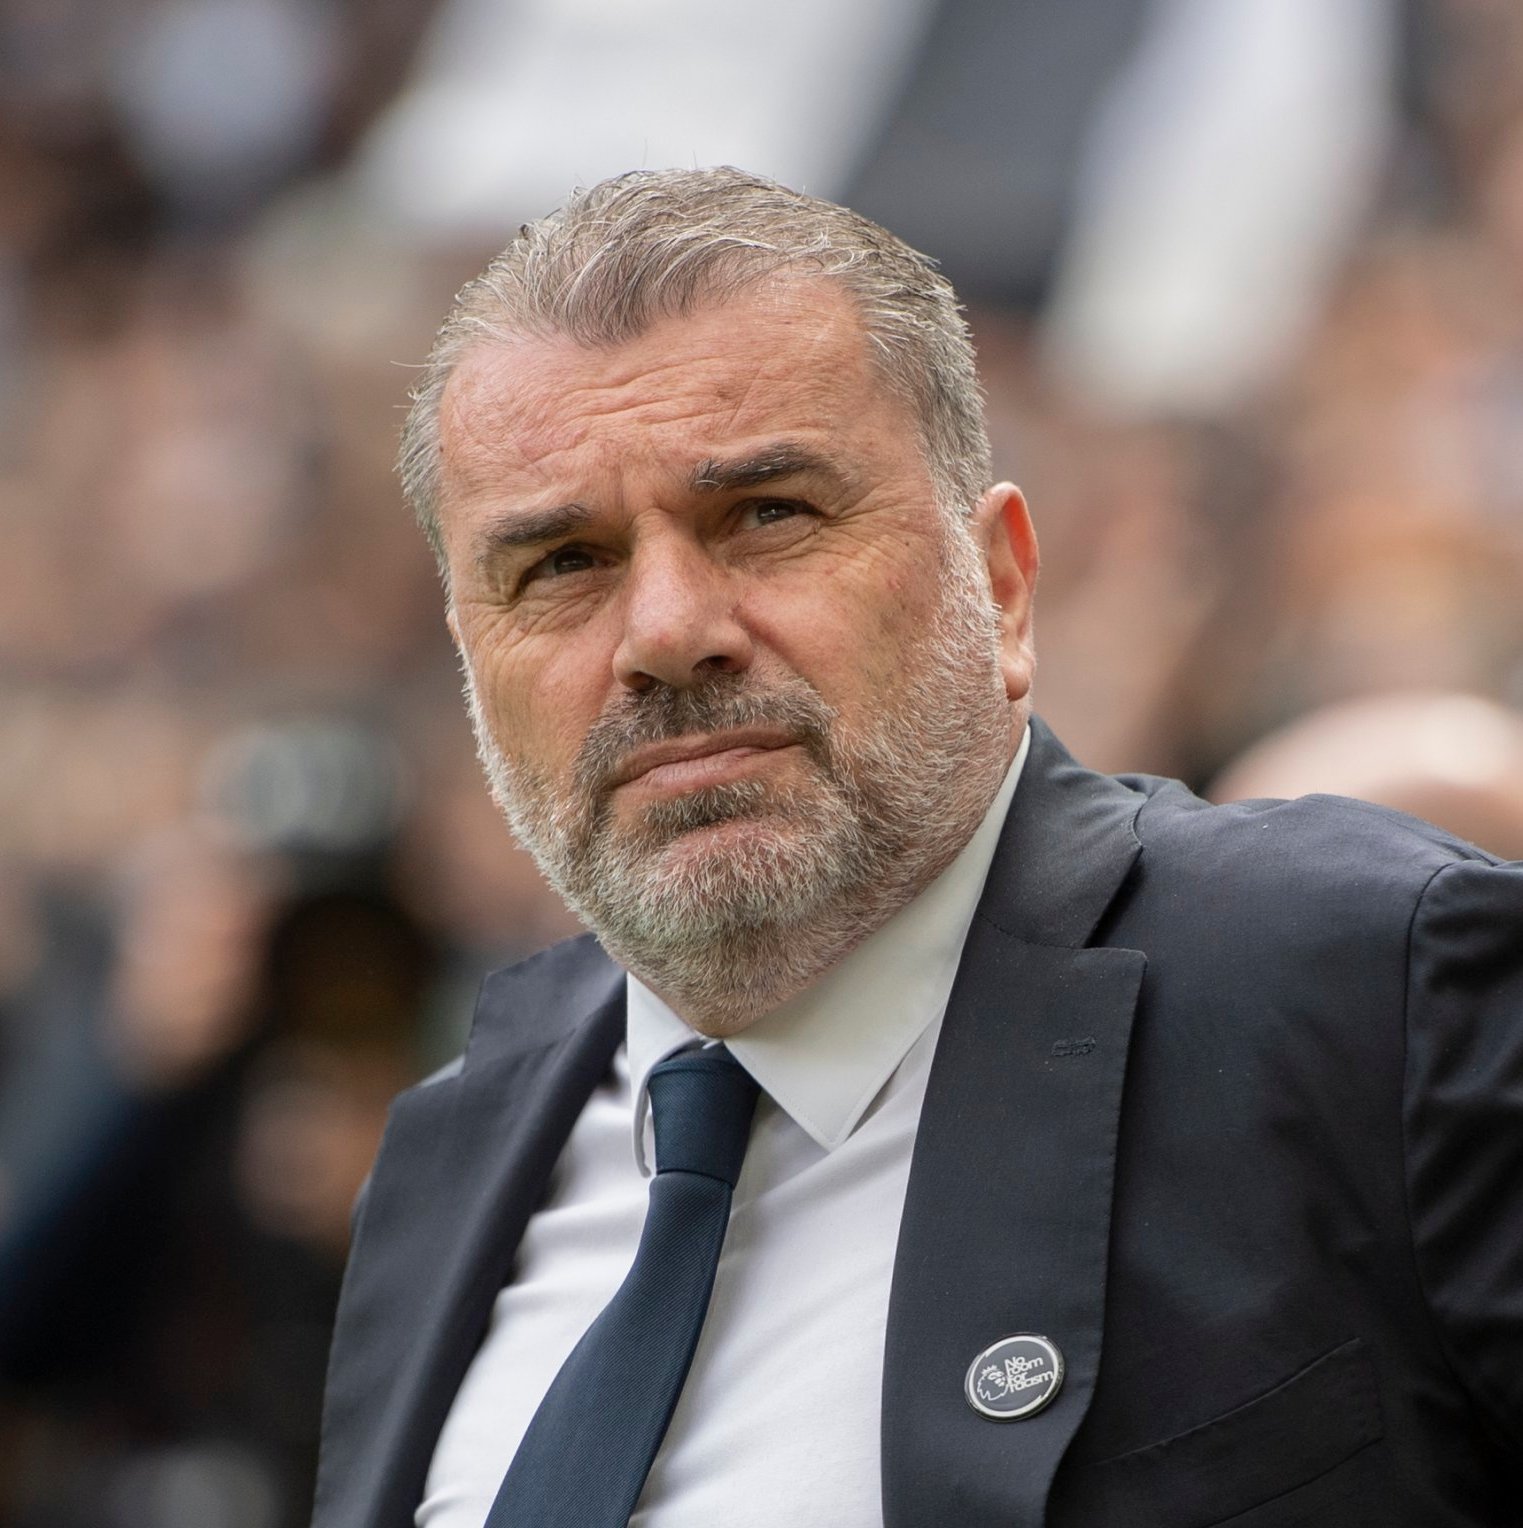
(538, 706)
(846, 637)
(888, 637)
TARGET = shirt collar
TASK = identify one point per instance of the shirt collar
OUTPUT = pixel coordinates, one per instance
(824, 1055)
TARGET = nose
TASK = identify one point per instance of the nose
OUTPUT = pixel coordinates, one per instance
(680, 622)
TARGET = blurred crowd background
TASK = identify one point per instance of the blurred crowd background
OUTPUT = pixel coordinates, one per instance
(1247, 282)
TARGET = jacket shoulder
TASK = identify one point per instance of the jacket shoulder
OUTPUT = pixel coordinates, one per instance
(1334, 838)
(1310, 880)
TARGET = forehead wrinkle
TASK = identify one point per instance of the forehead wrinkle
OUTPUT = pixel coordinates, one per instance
(492, 431)
(514, 405)
(478, 433)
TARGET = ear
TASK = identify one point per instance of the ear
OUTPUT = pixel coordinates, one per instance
(1003, 527)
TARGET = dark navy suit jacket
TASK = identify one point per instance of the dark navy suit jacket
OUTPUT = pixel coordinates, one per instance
(1228, 1103)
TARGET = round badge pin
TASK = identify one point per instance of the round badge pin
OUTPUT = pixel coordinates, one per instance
(1016, 1377)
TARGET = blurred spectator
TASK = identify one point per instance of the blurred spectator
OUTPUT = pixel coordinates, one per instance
(222, 99)
(979, 145)
(1456, 760)
(181, 1174)
(1235, 159)
(511, 105)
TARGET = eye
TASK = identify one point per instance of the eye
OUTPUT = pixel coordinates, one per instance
(562, 561)
(771, 511)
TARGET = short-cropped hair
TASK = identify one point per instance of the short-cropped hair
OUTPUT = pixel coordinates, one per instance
(650, 245)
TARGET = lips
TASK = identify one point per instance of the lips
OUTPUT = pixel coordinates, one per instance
(687, 762)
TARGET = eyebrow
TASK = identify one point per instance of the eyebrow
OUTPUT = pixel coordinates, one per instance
(783, 460)
(529, 528)
(522, 529)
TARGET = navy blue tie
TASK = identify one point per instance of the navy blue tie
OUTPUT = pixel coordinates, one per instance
(589, 1447)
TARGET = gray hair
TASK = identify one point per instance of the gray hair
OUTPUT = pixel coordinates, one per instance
(659, 244)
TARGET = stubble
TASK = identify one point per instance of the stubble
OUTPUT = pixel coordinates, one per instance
(729, 900)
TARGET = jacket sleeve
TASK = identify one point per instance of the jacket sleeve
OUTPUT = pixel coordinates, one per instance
(1463, 1121)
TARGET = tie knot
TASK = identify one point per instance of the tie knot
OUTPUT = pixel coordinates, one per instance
(701, 1103)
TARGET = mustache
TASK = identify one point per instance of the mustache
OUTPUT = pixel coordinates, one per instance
(722, 703)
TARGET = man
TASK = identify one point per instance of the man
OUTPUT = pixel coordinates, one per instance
(1118, 1159)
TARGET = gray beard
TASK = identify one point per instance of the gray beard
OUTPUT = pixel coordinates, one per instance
(808, 870)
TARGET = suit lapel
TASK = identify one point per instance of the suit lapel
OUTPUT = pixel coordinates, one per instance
(464, 1162)
(1006, 1222)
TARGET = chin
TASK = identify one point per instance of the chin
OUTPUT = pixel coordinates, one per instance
(736, 860)
(731, 835)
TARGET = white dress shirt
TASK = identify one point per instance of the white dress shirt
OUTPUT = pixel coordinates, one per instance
(779, 1419)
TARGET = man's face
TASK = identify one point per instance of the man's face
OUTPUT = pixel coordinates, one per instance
(738, 683)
